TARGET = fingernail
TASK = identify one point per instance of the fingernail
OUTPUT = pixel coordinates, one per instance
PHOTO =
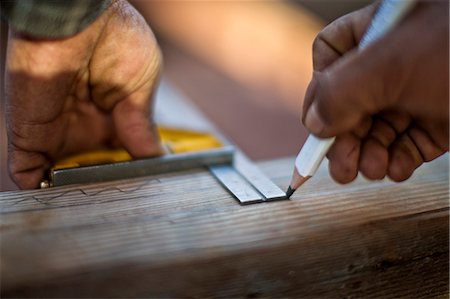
(313, 121)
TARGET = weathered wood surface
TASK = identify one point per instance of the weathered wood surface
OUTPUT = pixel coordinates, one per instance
(183, 235)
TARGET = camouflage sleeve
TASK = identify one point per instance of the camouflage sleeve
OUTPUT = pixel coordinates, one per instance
(51, 18)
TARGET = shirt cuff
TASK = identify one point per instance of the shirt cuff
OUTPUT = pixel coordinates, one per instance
(51, 18)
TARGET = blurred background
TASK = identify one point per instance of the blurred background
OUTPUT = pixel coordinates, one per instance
(245, 65)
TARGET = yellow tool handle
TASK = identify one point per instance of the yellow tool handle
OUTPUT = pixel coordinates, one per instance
(174, 140)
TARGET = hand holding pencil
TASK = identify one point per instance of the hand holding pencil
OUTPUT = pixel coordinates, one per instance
(387, 104)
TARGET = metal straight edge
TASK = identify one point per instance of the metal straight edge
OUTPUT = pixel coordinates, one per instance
(236, 184)
(257, 178)
(246, 181)
(142, 167)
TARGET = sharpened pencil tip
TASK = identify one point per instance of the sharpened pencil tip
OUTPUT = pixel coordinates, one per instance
(289, 192)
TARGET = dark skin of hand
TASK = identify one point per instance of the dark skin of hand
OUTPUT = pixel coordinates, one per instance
(92, 90)
(388, 104)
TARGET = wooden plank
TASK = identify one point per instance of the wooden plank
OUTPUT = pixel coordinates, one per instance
(182, 235)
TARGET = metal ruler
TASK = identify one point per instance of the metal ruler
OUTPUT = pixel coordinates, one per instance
(246, 181)
(141, 167)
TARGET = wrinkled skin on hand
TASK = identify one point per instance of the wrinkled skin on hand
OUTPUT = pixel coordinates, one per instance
(88, 91)
(388, 104)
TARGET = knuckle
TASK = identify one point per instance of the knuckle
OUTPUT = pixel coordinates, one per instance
(317, 43)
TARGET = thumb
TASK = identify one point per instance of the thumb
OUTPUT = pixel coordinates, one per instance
(135, 128)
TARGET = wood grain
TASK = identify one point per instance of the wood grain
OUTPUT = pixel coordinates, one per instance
(182, 235)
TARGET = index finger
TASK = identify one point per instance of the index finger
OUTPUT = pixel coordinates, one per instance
(341, 36)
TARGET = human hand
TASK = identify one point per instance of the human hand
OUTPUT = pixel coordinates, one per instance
(88, 91)
(388, 104)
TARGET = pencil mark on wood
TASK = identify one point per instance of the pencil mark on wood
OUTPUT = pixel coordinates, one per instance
(48, 200)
